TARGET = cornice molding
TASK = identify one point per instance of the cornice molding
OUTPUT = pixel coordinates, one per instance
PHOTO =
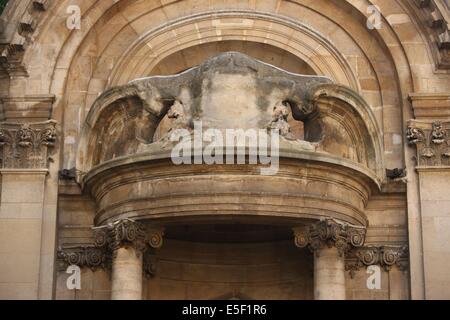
(431, 106)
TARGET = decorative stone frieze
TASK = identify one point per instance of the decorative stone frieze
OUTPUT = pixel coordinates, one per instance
(26, 146)
(27, 108)
(330, 233)
(86, 256)
(432, 142)
(386, 256)
(430, 106)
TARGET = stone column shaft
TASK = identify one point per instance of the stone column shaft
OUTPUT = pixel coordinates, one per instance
(329, 275)
(127, 274)
(128, 240)
(329, 240)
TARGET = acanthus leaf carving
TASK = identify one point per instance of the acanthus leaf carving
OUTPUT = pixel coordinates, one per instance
(432, 141)
(26, 146)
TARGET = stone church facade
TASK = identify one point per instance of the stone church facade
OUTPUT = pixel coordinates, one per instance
(354, 96)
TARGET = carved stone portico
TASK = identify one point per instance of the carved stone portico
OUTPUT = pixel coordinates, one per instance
(324, 180)
(223, 126)
(327, 174)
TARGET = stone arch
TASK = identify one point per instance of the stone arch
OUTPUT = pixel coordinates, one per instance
(390, 100)
(307, 44)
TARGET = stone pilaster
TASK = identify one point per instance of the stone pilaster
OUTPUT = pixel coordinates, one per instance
(26, 210)
(431, 141)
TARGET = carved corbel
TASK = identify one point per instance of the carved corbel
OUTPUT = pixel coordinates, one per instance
(26, 146)
(432, 142)
(329, 233)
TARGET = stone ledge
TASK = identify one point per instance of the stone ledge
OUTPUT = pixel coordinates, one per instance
(430, 106)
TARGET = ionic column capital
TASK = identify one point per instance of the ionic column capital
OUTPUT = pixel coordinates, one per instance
(329, 233)
(127, 232)
(385, 256)
(84, 256)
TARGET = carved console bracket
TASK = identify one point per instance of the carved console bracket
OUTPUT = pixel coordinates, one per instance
(432, 141)
(330, 233)
(386, 256)
(26, 146)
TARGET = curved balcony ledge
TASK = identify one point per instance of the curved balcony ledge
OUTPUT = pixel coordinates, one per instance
(308, 185)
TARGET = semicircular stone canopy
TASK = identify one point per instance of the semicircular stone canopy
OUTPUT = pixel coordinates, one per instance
(327, 128)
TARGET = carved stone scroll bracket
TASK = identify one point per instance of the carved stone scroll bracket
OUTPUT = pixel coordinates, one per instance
(432, 142)
(385, 256)
(85, 257)
(329, 233)
(155, 237)
(26, 146)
